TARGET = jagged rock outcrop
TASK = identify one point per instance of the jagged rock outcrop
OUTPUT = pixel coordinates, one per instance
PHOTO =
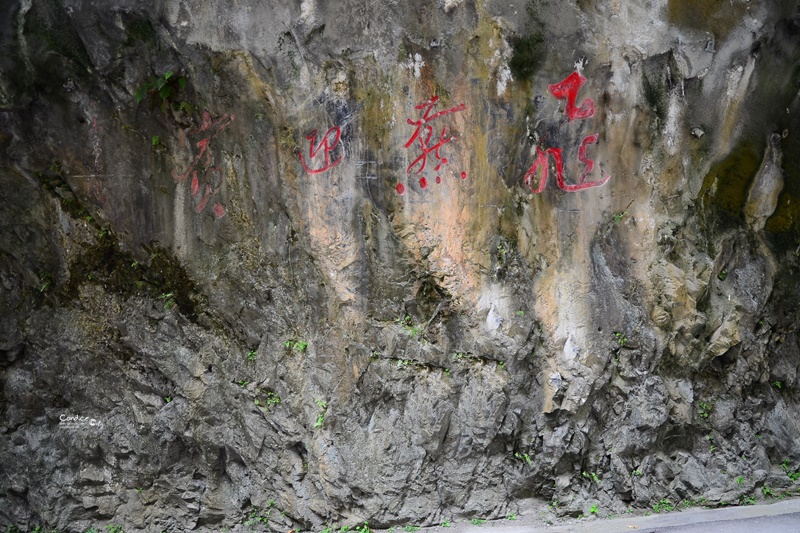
(384, 261)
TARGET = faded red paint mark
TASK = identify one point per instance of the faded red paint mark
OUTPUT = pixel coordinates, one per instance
(423, 183)
(326, 145)
(568, 89)
(400, 188)
(219, 210)
(463, 175)
(97, 151)
(209, 179)
(438, 179)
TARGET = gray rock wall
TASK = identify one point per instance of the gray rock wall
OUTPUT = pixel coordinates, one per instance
(234, 280)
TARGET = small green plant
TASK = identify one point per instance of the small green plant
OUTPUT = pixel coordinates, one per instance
(328, 529)
(705, 409)
(446, 523)
(616, 218)
(323, 405)
(164, 86)
(637, 473)
(739, 480)
(114, 528)
(501, 364)
(592, 476)
(523, 457)
(410, 529)
(296, 345)
(364, 529)
(273, 399)
(46, 281)
(477, 521)
(512, 516)
(766, 491)
(663, 506)
(794, 476)
(593, 509)
(408, 325)
(622, 340)
(243, 383)
(747, 500)
(777, 385)
(155, 141)
(139, 489)
(257, 516)
(458, 356)
(520, 313)
(169, 300)
(167, 399)
(712, 448)
(722, 274)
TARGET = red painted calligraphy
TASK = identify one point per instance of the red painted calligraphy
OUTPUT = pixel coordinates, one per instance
(209, 179)
(326, 145)
(542, 162)
(425, 138)
(423, 135)
(568, 90)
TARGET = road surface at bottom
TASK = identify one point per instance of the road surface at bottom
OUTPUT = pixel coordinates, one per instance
(779, 517)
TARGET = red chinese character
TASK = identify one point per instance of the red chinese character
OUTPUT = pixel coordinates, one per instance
(542, 161)
(568, 90)
(209, 129)
(424, 137)
(325, 145)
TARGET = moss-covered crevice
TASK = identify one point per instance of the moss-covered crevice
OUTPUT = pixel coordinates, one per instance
(104, 262)
(47, 26)
(716, 16)
(656, 83)
(724, 190)
(529, 48)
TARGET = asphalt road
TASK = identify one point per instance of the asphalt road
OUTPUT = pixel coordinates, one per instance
(780, 517)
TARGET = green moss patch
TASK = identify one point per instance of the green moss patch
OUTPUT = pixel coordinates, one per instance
(732, 177)
(716, 16)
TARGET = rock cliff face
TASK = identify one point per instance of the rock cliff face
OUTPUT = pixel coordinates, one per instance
(395, 261)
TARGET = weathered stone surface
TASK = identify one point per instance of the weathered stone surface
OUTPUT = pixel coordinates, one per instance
(240, 336)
